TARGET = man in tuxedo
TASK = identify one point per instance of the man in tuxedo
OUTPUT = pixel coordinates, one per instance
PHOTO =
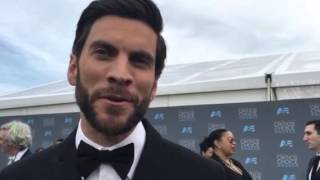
(312, 139)
(117, 58)
(16, 140)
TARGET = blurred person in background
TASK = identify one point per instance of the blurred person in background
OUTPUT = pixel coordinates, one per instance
(3, 132)
(223, 144)
(17, 140)
(206, 149)
(312, 139)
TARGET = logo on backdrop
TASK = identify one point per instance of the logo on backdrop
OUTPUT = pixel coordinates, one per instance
(160, 116)
(48, 133)
(184, 116)
(216, 114)
(289, 177)
(256, 175)
(248, 144)
(251, 161)
(287, 161)
(247, 113)
(315, 109)
(68, 120)
(283, 110)
(249, 129)
(186, 130)
(284, 127)
(286, 143)
(30, 121)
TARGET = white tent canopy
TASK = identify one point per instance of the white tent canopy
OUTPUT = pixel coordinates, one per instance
(294, 76)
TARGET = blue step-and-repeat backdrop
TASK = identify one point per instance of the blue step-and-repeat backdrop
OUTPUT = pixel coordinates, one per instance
(268, 134)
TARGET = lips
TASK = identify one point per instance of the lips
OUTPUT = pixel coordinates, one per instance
(117, 98)
(113, 96)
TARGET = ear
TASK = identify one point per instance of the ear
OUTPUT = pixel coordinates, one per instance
(72, 70)
(154, 89)
(216, 144)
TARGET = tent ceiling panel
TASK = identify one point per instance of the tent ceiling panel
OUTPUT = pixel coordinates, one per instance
(290, 69)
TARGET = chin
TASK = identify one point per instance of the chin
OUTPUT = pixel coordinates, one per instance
(113, 121)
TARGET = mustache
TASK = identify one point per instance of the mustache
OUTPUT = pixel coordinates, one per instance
(114, 91)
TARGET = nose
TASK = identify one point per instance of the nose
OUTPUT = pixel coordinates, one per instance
(119, 71)
(305, 138)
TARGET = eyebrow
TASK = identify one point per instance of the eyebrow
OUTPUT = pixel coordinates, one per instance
(144, 54)
(113, 50)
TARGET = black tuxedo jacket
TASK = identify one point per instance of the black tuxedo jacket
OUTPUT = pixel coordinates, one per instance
(160, 160)
(310, 167)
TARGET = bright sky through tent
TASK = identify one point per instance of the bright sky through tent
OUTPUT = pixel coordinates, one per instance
(36, 36)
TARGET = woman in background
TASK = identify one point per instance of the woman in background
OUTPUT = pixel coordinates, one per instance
(223, 144)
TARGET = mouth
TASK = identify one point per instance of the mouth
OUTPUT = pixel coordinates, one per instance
(116, 99)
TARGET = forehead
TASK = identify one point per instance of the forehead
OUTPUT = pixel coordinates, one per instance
(228, 134)
(123, 31)
(2, 132)
(310, 128)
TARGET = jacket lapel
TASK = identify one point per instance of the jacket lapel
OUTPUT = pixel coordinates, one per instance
(26, 154)
(64, 165)
(149, 163)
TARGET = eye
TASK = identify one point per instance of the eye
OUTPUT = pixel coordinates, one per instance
(103, 50)
(142, 60)
(104, 53)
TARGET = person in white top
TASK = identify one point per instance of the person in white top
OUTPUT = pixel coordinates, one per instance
(115, 64)
(17, 140)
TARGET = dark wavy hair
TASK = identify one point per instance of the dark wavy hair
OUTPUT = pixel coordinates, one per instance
(316, 123)
(216, 135)
(142, 10)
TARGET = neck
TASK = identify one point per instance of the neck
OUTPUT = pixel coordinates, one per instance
(13, 151)
(100, 138)
(221, 155)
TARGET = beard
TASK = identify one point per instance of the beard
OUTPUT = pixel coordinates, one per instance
(85, 103)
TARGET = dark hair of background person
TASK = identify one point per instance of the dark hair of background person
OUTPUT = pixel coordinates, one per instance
(205, 145)
(316, 123)
(144, 11)
(215, 135)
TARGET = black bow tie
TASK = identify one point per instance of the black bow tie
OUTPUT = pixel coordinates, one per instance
(90, 158)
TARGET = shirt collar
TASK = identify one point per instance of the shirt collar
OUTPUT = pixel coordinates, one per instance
(19, 155)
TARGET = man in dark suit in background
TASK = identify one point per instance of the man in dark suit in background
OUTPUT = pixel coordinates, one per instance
(117, 58)
(312, 139)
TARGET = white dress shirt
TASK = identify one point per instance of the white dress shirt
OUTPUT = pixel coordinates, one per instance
(105, 171)
(18, 156)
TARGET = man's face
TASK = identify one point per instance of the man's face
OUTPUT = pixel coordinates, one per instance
(311, 137)
(115, 75)
(208, 153)
(2, 136)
